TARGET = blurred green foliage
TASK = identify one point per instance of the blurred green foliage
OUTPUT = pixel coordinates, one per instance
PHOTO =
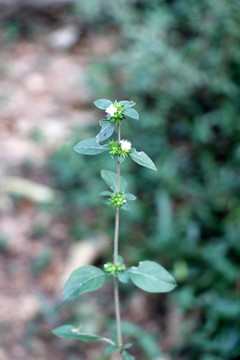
(180, 61)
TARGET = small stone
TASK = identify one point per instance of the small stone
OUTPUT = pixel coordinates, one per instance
(64, 39)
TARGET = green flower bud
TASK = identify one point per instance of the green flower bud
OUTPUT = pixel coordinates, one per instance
(109, 268)
(114, 148)
(121, 267)
(118, 199)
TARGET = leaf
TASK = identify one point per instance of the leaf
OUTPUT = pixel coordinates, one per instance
(142, 159)
(102, 103)
(106, 193)
(84, 279)
(71, 332)
(106, 132)
(126, 207)
(146, 341)
(110, 349)
(132, 113)
(152, 277)
(127, 356)
(89, 147)
(105, 201)
(111, 179)
(130, 197)
(120, 259)
(121, 159)
(123, 277)
(103, 123)
(126, 103)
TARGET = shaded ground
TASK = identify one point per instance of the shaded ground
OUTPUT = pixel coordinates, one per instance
(43, 99)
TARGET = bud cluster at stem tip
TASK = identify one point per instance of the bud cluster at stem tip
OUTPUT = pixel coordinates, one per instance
(115, 112)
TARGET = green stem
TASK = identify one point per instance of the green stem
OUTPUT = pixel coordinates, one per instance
(115, 258)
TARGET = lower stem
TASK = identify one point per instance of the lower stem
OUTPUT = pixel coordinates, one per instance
(116, 290)
(117, 312)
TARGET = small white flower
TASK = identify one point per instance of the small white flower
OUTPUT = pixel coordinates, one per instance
(111, 110)
(125, 145)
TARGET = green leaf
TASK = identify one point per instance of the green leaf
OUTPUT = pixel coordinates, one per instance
(145, 340)
(121, 159)
(123, 277)
(127, 356)
(71, 332)
(130, 197)
(106, 132)
(126, 103)
(110, 349)
(105, 201)
(126, 207)
(132, 113)
(120, 259)
(84, 279)
(89, 147)
(106, 193)
(152, 277)
(102, 103)
(111, 179)
(142, 159)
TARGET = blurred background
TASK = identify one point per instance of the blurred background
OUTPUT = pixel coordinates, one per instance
(179, 60)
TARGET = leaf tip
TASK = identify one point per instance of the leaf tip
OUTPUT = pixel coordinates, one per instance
(74, 148)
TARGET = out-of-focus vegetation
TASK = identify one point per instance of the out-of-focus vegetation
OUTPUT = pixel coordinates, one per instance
(180, 61)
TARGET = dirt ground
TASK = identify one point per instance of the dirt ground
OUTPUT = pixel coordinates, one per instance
(43, 94)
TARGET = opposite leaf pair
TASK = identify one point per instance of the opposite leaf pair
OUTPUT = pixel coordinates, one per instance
(92, 147)
(148, 276)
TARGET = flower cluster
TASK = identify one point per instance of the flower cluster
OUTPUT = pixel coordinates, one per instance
(118, 199)
(114, 148)
(123, 149)
(112, 269)
(115, 113)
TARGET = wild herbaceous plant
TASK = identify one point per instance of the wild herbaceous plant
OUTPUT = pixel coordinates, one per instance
(148, 275)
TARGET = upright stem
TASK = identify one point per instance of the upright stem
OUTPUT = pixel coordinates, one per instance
(115, 258)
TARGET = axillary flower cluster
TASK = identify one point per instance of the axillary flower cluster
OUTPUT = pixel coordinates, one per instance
(118, 199)
(112, 269)
(121, 149)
